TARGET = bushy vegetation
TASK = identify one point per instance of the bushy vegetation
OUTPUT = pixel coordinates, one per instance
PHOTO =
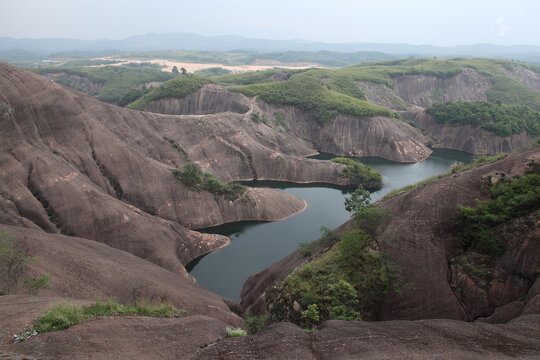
(360, 174)
(346, 282)
(256, 323)
(117, 81)
(235, 332)
(63, 316)
(133, 95)
(510, 200)
(310, 94)
(502, 119)
(177, 88)
(194, 178)
(307, 249)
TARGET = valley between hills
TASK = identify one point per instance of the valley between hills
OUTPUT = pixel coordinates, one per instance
(108, 174)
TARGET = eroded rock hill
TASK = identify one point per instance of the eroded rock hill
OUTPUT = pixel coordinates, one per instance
(420, 238)
(412, 94)
(75, 165)
(347, 135)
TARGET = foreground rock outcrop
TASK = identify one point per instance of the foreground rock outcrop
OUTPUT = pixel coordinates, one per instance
(200, 337)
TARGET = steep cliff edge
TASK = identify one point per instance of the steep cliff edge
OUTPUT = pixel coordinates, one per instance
(420, 237)
(472, 139)
(346, 135)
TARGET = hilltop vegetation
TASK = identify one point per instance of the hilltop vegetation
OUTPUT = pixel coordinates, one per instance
(310, 94)
(502, 119)
(179, 87)
(117, 81)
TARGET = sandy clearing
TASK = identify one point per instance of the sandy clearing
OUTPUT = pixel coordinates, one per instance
(192, 67)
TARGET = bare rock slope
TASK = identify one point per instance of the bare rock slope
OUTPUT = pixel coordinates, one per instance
(74, 165)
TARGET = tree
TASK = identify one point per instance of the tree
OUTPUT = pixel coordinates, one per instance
(175, 70)
(359, 200)
(183, 70)
(13, 261)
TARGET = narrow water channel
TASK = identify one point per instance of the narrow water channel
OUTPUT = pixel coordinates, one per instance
(256, 245)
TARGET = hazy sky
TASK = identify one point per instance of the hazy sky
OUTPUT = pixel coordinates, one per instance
(436, 22)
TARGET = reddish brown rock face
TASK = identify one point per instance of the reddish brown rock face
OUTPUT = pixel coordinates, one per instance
(75, 165)
(421, 238)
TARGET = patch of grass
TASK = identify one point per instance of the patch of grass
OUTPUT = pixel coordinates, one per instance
(235, 332)
(194, 178)
(177, 88)
(64, 316)
(360, 174)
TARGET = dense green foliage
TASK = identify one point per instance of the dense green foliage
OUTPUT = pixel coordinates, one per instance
(510, 200)
(117, 81)
(62, 317)
(346, 282)
(177, 88)
(194, 178)
(360, 174)
(502, 119)
(133, 95)
(310, 94)
(328, 92)
(256, 323)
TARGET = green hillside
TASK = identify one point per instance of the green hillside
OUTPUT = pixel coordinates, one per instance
(117, 81)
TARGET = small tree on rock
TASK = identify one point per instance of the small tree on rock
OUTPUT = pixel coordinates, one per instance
(175, 70)
(13, 261)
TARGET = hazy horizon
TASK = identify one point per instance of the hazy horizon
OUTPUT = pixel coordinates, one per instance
(417, 22)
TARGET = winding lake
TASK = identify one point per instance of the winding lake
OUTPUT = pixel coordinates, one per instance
(257, 245)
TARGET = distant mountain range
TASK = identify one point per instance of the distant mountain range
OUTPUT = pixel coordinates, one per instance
(186, 41)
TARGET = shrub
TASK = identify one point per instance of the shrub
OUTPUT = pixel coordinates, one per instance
(235, 332)
(193, 177)
(456, 167)
(510, 200)
(175, 88)
(360, 174)
(34, 285)
(256, 323)
(13, 261)
(311, 314)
